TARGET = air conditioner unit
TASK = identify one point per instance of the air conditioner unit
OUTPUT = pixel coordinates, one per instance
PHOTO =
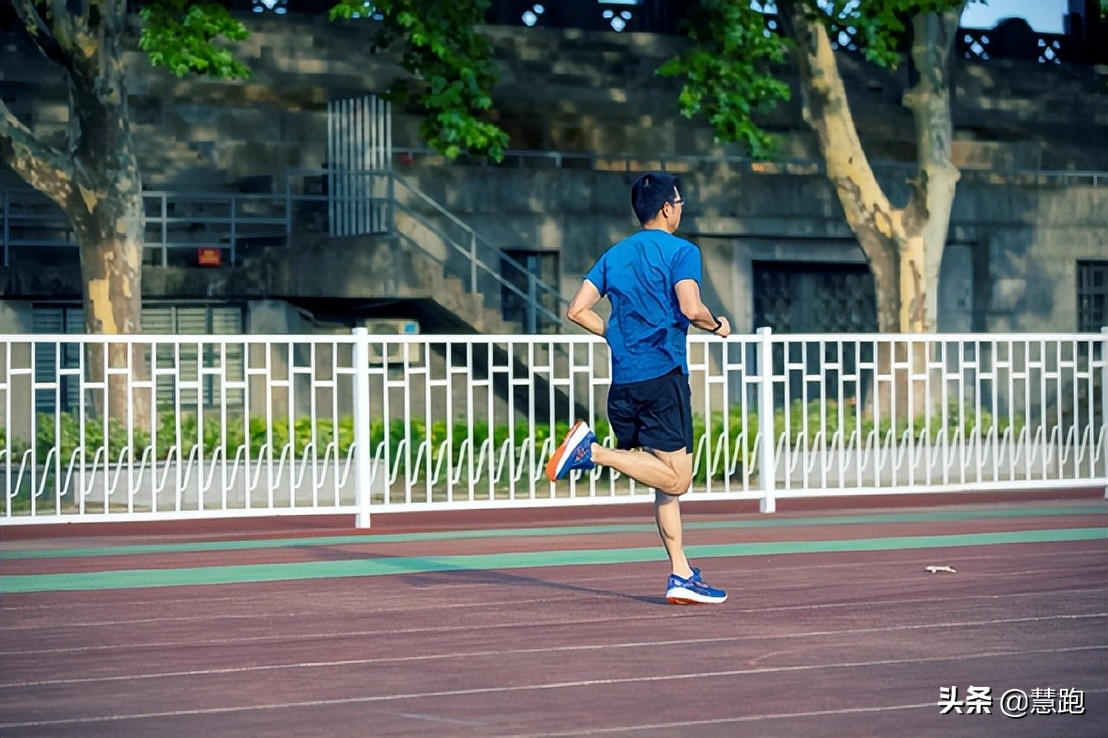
(382, 330)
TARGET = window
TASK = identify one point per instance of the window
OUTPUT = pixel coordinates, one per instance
(617, 14)
(1092, 295)
(814, 298)
(530, 283)
(792, 297)
(190, 368)
(275, 6)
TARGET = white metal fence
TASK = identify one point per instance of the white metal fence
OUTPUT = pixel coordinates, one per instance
(209, 426)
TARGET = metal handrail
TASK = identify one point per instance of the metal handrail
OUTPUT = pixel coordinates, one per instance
(478, 253)
(476, 263)
(229, 221)
(159, 223)
(633, 163)
(4, 233)
(280, 220)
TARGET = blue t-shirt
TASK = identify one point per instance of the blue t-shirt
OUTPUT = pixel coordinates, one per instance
(646, 332)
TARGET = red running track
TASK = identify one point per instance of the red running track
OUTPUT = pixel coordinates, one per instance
(814, 641)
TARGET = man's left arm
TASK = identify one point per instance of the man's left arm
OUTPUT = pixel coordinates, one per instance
(696, 312)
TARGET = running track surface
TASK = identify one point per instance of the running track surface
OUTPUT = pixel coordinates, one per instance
(555, 625)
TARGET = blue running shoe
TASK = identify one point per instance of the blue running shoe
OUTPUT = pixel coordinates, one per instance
(693, 591)
(574, 453)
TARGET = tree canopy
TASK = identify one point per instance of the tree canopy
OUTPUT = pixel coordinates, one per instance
(732, 71)
(185, 38)
(445, 52)
(442, 49)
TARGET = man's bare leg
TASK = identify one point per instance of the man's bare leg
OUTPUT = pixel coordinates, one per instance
(667, 513)
(665, 471)
(670, 474)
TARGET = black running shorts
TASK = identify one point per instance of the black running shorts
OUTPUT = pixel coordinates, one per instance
(655, 413)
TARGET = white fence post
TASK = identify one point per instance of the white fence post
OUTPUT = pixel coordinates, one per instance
(766, 462)
(1104, 402)
(363, 470)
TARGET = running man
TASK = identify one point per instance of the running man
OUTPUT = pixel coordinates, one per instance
(652, 281)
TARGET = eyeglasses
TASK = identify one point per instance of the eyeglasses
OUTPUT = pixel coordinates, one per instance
(678, 201)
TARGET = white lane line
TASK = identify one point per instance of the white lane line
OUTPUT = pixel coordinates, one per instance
(550, 649)
(669, 613)
(725, 721)
(673, 612)
(746, 719)
(534, 687)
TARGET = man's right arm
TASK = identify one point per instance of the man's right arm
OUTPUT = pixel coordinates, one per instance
(581, 312)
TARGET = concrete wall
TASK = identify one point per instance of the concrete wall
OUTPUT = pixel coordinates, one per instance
(15, 316)
(1014, 240)
(1032, 237)
(562, 90)
(1009, 264)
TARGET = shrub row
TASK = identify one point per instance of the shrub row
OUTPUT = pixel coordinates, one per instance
(208, 433)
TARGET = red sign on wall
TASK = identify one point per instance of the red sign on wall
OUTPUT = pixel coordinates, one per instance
(209, 256)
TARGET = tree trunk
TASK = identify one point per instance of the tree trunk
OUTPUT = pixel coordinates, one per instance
(95, 181)
(874, 221)
(111, 238)
(104, 206)
(937, 178)
(904, 246)
(927, 217)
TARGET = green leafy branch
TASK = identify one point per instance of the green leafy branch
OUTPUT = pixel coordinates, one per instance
(727, 72)
(733, 68)
(882, 26)
(444, 51)
(185, 37)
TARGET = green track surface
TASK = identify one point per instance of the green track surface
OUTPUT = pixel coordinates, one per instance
(371, 565)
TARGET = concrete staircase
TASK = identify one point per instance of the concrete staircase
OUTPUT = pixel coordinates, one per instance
(409, 283)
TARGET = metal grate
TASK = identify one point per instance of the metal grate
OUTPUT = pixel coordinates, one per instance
(820, 298)
(1092, 295)
(57, 391)
(359, 142)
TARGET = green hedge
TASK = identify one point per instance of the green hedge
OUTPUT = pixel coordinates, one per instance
(807, 419)
(210, 435)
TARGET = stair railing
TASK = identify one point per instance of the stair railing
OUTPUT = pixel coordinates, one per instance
(486, 260)
(426, 224)
(225, 219)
